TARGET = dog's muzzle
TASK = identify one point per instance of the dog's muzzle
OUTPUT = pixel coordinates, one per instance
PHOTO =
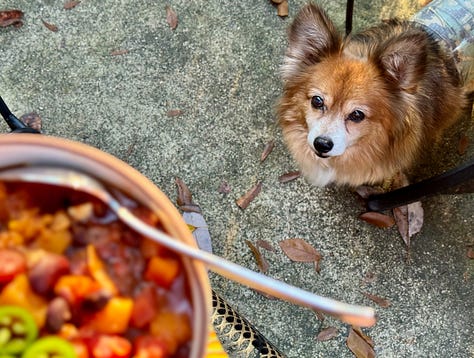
(322, 145)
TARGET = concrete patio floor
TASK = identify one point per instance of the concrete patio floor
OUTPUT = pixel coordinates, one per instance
(109, 77)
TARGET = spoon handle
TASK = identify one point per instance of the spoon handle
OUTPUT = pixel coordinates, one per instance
(352, 314)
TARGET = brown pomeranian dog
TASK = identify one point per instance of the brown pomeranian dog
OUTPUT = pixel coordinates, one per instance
(358, 110)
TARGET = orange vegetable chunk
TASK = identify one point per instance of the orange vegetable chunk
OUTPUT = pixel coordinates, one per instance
(19, 293)
(162, 270)
(98, 272)
(114, 317)
(172, 328)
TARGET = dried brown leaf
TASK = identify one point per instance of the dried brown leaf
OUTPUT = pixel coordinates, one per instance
(327, 333)
(401, 219)
(282, 8)
(365, 337)
(267, 150)
(224, 188)
(184, 194)
(174, 113)
(32, 120)
(68, 5)
(415, 218)
(409, 220)
(299, 250)
(470, 253)
(265, 245)
(382, 302)
(171, 17)
(377, 219)
(277, 1)
(50, 27)
(463, 144)
(359, 345)
(11, 17)
(249, 196)
(119, 52)
(261, 262)
(285, 178)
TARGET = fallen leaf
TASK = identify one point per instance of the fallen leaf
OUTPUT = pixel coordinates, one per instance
(184, 194)
(11, 17)
(382, 302)
(174, 112)
(409, 220)
(261, 262)
(267, 150)
(224, 188)
(470, 253)
(32, 120)
(285, 178)
(377, 219)
(463, 144)
(68, 5)
(50, 27)
(299, 250)
(277, 1)
(359, 344)
(327, 333)
(249, 196)
(415, 218)
(365, 337)
(171, 17)
(401, 219)
(118, 52)
(282, 8)
(265, 245)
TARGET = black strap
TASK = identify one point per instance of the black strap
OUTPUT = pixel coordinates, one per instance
(16, 125)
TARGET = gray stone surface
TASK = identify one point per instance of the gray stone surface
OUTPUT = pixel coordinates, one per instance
(220, 68)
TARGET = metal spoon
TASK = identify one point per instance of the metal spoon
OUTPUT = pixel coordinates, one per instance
(64, 177)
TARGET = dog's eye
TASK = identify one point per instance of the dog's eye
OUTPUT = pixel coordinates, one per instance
(317, 102)
(356, 116)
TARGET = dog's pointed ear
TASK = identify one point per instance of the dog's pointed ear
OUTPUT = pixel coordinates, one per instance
(311, 37)
(403, 60)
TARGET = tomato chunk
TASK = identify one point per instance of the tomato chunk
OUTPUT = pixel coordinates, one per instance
(12, 263)
(144, 307)
(74, 288)
(150, 347)
(110, 346)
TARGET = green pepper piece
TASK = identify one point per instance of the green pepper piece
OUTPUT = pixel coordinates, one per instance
(50, 346)
(17, 330)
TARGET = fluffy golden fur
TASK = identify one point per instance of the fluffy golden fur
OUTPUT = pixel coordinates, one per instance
(358, 110)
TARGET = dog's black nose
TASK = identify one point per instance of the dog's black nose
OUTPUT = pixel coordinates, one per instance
(323, 144)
